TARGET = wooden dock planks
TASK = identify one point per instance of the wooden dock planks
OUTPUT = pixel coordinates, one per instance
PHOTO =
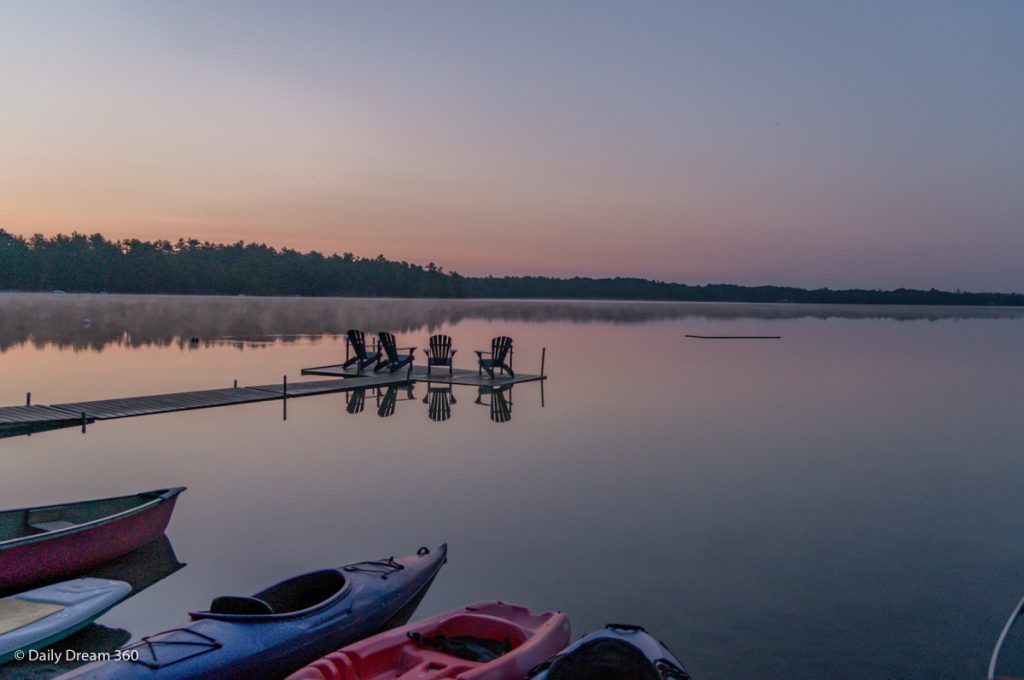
(311, 387)
(21, 420)
(107, 409)
(20, 415)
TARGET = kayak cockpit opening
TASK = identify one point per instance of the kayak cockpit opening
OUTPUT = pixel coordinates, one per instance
(470, 637)
(294, 595)
(466, 647)
(605, 659)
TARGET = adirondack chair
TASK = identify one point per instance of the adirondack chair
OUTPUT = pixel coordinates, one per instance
(392, 360)
(500, 401)
(440, 353)
(439, 402)
(355, 341)
(500, 357)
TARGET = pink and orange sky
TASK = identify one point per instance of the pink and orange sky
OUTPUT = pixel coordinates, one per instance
(805, 143)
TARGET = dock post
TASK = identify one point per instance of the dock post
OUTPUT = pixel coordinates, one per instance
(285, 390)
(84, 421)
(236, 383)
(543, 354)
(28, 399)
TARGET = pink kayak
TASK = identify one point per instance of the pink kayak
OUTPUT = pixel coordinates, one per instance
(484, 641)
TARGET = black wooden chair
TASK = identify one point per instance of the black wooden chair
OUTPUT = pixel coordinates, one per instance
(440, 353)
(500, 401)
(355, 343)
(439, 402)
(392, 360)
(500, 357)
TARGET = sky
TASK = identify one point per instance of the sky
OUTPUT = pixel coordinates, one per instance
(859, 144)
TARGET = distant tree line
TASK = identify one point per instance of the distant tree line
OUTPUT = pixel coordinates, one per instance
(80, 263)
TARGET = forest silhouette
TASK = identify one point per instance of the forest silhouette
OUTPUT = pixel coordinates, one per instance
(95, 264)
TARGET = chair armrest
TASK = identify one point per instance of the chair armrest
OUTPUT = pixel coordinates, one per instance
(454, 351)
(482, 352)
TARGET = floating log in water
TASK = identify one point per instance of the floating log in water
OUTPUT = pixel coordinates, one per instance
(736, 337)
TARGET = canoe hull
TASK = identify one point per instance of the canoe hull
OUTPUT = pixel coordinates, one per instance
(70, 553)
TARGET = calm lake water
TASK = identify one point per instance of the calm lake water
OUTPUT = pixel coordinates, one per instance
(843, 502)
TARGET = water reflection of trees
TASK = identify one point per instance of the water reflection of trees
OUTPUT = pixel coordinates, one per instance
(91, 322)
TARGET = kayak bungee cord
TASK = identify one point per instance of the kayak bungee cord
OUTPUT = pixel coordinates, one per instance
(383, 567)
(204, 644)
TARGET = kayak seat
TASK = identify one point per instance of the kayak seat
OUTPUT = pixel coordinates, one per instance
(240, 605)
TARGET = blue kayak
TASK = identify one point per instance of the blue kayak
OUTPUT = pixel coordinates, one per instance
(282, 628)
(619, 652)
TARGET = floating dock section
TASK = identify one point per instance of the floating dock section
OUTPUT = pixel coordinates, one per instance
(441, 375)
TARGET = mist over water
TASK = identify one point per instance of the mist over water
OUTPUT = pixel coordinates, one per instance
(94, 321)
(843, 502)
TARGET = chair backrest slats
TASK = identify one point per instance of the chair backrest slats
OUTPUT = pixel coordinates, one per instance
(440, 346)
(387, 341)
(357, 339)
(500, 347)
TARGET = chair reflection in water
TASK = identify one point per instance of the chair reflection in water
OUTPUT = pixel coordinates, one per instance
(355, 400)
(384, 397)
(499, 399)
(439, 400)
(386, 401)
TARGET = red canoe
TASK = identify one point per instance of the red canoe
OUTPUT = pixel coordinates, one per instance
(54, 542)
(484, 641)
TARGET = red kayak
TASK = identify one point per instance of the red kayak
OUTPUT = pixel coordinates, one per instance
(54, 542)
(484, 641)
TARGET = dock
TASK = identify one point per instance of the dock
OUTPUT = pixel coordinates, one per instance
(16, 420)
(458, 376)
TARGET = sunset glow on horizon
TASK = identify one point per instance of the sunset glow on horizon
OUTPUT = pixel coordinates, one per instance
(867, 145)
